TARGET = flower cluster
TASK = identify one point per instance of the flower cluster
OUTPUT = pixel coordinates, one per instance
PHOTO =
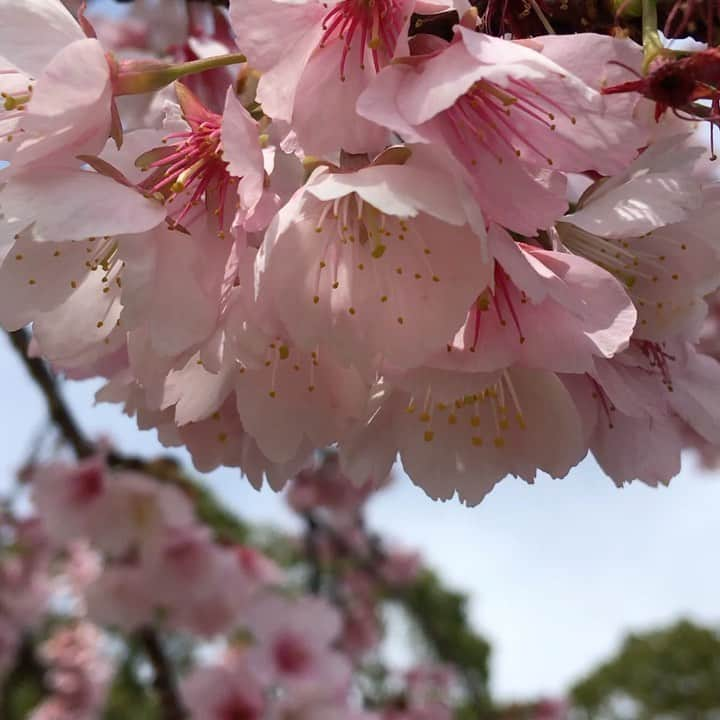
(456, 250)
(24, 583)
(116, 553)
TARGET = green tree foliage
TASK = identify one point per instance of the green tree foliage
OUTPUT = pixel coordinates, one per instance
(673, 673)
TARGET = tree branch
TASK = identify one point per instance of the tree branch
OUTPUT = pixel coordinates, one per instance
(164, 677)
(57, 408)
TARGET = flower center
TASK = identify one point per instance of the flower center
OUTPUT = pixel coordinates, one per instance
(374, 24)
(499, 121)
(87, 485)
(190, 169)
(291, 655)
(495, 410)
(238, 708)
(13, 101)
(280, 359)
(501, 299)
(358, 239)
(658, 359)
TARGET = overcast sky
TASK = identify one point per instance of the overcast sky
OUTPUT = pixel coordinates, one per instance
(557, 572)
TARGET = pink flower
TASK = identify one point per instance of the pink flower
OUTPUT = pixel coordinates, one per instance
(207, 33)
(116, 511)
(636, 408)
(464, 432)
(510, 118)
(213, 439)
(121, 598)
(361, 629)
(59, 253)
(64, 109)
(548, 310)
(221, 692)
(25, 582)
(293, 647)
(325, 486)
(217, 159)
(379, 264)
(651, 227)
(319, 55)
(79, 676)
(196, 584)
(401, 567)
(257, 566)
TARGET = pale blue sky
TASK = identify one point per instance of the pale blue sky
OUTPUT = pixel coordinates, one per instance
(557, 572)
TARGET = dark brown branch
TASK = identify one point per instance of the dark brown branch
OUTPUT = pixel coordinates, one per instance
(164, 677)
(57, 408)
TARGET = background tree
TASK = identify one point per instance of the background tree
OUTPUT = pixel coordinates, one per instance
(673, 673)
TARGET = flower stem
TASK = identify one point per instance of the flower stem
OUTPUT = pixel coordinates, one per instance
(133, 77)
(652, 46)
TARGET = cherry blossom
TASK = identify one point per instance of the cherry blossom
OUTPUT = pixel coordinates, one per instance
(80, 672)
(316, 54)
(228, 690)
(114, 510)
(651, 228)
(510, 118)
(293, 647)
(368, 249)
(536, 313)
(463, 431)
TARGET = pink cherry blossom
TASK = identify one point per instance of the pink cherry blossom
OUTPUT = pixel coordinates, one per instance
(325, 486)
(509, 116)
(64, 109)
(79, 676)
(115, 511)
(216, 159)
(293, 647)
(226, 690)
(651, 228)
(464, 432)
(25, 583)
(213, 440)
(637, 406)
(317, 55)
(357, 260)
(196, 584)
(538, 314)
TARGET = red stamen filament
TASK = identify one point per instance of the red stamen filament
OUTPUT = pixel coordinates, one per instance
(658, 359)
(195, 170)
(379, 24)
(502, 291)
(482, 116)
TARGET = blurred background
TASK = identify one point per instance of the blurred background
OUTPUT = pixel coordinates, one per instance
(578, 586)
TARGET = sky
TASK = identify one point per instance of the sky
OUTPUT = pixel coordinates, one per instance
(556, 572)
